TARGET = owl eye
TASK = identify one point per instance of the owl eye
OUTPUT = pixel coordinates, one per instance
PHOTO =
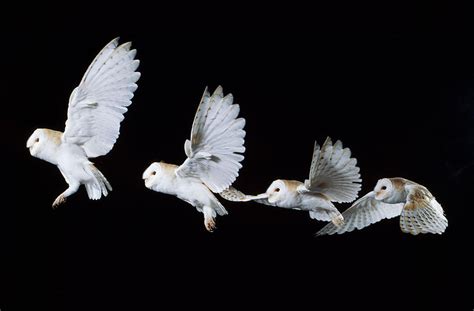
(277, 190)
(384, 188)
(37, 140)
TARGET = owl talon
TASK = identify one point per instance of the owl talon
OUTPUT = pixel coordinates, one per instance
(59, 200)
(210, 224)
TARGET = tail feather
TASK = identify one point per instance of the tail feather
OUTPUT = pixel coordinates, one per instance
(98, 186)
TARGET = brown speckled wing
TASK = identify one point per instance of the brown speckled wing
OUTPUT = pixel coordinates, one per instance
(422, 213)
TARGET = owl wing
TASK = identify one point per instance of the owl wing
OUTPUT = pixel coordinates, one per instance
(234, 195)
(97, 105)
(333, 172)
(422, 213)
(217, 138)
(364, 212)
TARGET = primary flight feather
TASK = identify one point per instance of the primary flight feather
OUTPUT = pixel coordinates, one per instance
(95, 110)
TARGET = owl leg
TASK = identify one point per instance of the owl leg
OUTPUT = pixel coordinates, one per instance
(73, 187)
(209, 221)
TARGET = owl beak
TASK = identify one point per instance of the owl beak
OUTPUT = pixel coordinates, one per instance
(377, 196)
(29, 143)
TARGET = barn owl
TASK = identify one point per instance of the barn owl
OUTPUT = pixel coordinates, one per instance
(333, 177)
(95, 110)
(418, 209)
(213, 163)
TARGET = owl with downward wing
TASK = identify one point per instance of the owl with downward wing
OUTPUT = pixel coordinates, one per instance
(333, 177)
(96, 108)
(418, 209)
(213, 158)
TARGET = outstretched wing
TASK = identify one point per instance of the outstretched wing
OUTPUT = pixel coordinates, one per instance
(234, 195)
(97, 105)
(422, 213)
(217, 139)
(334, 173)
(364, 212)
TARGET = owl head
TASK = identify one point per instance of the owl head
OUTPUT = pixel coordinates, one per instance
(278, 191)
(151, 174)
(383, 189)
(43, 142)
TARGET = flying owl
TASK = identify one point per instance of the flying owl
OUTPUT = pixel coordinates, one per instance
(333, 177)
(95, 110)
(418, 209)
(214, 156)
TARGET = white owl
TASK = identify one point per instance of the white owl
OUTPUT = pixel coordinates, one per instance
(333, 177)
(213, 163)
(418, 209)
(96, 108)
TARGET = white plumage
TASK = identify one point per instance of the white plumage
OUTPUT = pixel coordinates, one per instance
(213, 163)
(334, 177)
(95, 110)
(418, 209)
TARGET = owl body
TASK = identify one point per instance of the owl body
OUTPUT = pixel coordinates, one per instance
(163, 177)
(188, 189)
(291, 194)
(73, 163)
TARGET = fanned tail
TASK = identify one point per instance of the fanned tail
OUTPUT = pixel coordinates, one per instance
(98, 186)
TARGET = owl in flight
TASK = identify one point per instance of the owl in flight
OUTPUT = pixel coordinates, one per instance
(95, 110)
(333, 177)
(213, 163)
(418, 209)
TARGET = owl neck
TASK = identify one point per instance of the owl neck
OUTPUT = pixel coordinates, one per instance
(166, 183)
(49, 151)
(398, 196)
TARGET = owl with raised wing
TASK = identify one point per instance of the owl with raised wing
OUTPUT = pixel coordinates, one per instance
(418, 209)
(214, 153)
(96, 108)
(333, 177)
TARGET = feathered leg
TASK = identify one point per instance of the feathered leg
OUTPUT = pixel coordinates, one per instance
(73, 187)
(209, 214)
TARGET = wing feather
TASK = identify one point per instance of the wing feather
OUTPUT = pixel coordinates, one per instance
(234, 195)
(364, 212)
(217, 139)
(333, 172)
(422, 213)
(97, 105)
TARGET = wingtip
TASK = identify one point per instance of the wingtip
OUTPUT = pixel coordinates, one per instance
(328, 141)
(206, 91)
(125, 46)
(114, 41)
(219, 91)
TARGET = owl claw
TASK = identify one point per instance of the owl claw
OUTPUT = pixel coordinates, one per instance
(59, 200)
(210, 224)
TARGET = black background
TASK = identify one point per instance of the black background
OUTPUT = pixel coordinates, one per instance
(396, 85)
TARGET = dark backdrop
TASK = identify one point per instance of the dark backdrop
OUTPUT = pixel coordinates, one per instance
(396, 87)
